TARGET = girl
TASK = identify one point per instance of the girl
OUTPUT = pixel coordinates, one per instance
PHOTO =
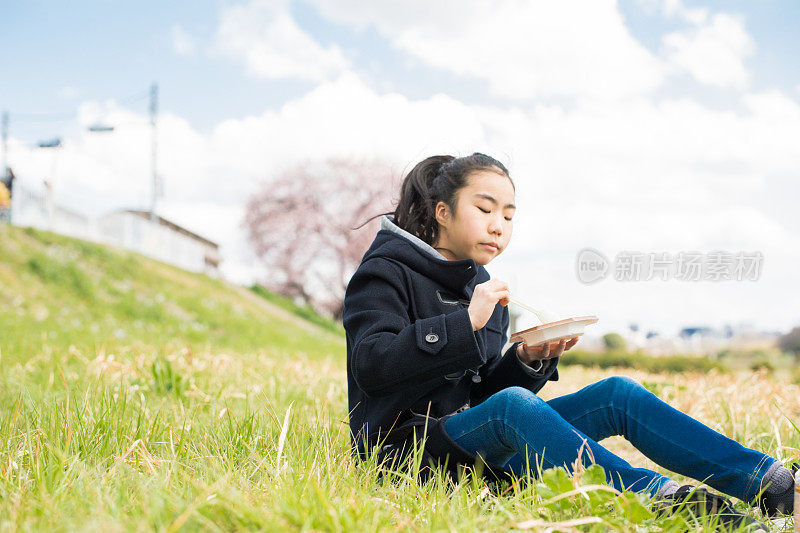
(425, 327)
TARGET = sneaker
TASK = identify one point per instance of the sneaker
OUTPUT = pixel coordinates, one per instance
(774, 505)
(701, 502)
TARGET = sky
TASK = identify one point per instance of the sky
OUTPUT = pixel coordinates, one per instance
(637, 126)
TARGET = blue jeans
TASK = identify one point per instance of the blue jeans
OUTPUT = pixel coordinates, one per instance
(514, 427)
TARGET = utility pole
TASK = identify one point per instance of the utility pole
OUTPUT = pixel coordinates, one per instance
(153, 118)
(5, 145)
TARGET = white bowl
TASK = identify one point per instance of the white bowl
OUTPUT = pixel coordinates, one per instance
(553, 332)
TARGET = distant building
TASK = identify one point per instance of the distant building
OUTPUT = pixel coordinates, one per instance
(708, 340)
(29, 208)
(160, 239)
(697, 332)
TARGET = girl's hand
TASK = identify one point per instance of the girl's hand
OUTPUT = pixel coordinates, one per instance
(528, 354)
(484, 299)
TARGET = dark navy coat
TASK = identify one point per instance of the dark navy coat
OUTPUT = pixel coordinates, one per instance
(410, 343)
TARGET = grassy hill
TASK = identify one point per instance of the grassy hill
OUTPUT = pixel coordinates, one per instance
(61, 292)
(136, 396)
(114, 366)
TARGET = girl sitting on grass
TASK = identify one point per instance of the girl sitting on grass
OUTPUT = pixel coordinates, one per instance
(425, 328)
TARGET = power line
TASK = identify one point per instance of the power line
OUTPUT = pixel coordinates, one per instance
(151, 93)
(154, 147)
(62, 116)
(45, 117)
(141, 95)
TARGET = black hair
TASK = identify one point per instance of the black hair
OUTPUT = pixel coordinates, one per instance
(436, 179)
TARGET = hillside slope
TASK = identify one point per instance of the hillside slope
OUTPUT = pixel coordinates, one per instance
(58, 292)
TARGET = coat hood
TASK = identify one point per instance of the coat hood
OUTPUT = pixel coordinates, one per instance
(393, 242)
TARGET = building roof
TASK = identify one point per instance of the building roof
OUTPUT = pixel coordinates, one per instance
(170, 225)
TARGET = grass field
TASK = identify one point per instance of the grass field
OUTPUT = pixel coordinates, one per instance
(135, 396)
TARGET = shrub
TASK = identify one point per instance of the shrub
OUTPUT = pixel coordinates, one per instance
(614, 341)
(791, 342)
(641, 361)
(762, 363)
(305, 311)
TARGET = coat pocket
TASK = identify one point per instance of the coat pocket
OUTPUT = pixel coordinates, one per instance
(446, 299)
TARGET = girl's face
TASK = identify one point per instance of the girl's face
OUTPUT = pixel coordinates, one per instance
(484, 212)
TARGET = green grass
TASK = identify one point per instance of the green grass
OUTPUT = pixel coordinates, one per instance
(69, 292)
(137, 397)
(642, 361)
(303, 311)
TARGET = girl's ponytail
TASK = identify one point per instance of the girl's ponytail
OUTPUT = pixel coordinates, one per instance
(422, 189)
(436, 179)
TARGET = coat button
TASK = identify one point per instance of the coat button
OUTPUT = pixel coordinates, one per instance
(432, 337)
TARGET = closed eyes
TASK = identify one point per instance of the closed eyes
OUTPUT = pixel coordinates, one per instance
(485, 211)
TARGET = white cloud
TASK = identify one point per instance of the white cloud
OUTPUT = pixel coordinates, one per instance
(524, 50)
(674, 8)
(713, 51)
(530, 50)
(696, 16)
(521, 50)
(265, 37)
(346, 117)
(182, 42)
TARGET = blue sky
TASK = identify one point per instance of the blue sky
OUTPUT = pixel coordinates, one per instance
(772, 23)
(649, 124)
(115, 50)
